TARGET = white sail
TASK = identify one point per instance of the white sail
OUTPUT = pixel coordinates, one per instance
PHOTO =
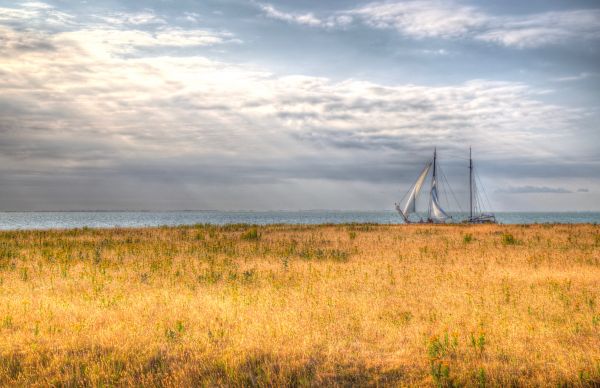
(411, 203)
(437, 213)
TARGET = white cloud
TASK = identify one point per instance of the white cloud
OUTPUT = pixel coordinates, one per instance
(36, 4)
(115, 33)
(85, 92)
(306, 18)
(422, 19)
(543, 29)
(448, 19)
(132, 18)
(577, 77)
(191, 17)
(35, 14)
(105, 40)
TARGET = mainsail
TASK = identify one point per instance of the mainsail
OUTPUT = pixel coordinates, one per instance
(411, 203)
(437, 213)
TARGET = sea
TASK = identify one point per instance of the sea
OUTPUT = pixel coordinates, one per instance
(109, 219)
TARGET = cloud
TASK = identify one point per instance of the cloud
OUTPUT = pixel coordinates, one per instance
(422, 19)
(37, 25)
(147, 17)
(103, 40)
(577, 77)
(308, 19)
(36, 14)
(534, 190)
(448, 20)
(87, 104)
(543, 29)
(95, 103)
(452, 20)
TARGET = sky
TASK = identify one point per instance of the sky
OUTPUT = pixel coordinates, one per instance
(251, 105)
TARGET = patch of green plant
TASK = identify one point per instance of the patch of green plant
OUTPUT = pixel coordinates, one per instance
(441, 374)
(210, 276)
(439, 350)
(481, 378)
(251, 235)
(400, 318)
(477, 341)
(24, 274)
(175, 333)
(7, 322)
(249, 275)
(439, 347)
(361, 227)
(324, 254)
(509, 239)
(7, 253)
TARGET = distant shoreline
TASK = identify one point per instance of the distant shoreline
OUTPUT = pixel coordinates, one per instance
(275, 211)
(304, 226)
(35, 220)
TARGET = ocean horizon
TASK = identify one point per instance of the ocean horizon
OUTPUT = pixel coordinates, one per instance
(21, 220)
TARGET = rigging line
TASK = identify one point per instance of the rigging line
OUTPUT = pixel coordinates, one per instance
(484, 192)
(478, 200)
(480, 205)
(445, 192)
(484, 204)
(443, 187)
(482, 208)
(452, 192)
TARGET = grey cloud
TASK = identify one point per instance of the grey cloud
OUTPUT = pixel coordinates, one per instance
(90, 112)
(534, 190)
(191, 105)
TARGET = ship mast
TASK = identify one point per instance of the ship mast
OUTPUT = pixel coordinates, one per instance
(470, 184)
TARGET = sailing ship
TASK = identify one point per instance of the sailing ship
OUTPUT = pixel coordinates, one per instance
(435, 213)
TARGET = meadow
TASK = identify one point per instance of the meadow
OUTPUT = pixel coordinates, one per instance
(288, 305)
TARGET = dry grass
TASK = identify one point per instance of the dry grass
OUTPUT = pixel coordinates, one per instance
(301, 305)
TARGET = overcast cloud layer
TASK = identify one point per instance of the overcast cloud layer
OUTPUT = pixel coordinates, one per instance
(254, 105)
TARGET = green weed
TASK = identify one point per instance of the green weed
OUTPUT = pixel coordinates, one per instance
(477, 342)
(251, 235)
(509, 239)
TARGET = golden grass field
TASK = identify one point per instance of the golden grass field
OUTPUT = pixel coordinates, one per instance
(301, 305)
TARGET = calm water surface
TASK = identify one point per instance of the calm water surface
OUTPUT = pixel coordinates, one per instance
(102, 219)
